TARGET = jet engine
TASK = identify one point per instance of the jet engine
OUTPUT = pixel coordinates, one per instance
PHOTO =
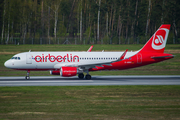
(68, 71)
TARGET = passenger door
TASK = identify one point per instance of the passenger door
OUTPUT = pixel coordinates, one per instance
(28, 59)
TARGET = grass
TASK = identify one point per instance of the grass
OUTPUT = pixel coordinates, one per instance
(169, 67)
(100, 102)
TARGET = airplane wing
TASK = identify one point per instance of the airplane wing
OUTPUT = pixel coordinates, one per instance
(89, 50)
(91, 65)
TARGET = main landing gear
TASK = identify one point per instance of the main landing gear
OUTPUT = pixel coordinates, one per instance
(88, 77)
(81, 76)
(27, 77)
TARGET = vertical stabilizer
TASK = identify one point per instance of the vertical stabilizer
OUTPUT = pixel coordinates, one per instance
(158, 41)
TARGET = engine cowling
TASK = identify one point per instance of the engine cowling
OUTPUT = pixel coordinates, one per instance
(68, 71)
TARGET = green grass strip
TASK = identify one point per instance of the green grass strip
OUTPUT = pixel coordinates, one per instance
(90, 102)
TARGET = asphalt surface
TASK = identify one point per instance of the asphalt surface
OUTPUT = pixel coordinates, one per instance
(96, 80)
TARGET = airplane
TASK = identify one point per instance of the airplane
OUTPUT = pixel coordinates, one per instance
(67, 64)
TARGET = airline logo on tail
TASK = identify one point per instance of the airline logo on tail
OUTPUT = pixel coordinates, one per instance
(160, 38)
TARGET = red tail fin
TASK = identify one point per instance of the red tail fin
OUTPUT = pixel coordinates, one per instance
(157, 42)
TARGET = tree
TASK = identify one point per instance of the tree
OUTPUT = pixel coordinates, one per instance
(98, 20)
(4, 12)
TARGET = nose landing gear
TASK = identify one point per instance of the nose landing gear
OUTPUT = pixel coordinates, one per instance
(27, 77)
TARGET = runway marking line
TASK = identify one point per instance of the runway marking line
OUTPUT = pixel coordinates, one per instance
(64, 81)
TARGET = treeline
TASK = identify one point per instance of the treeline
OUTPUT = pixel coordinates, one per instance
(86, 21)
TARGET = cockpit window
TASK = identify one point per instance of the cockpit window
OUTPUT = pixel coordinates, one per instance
(16, 58)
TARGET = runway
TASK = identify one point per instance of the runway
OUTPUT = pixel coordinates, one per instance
(95, 81)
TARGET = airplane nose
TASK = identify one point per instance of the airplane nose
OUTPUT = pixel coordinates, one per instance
(8, 64)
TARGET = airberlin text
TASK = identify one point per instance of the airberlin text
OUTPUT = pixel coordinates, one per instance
(58, 58)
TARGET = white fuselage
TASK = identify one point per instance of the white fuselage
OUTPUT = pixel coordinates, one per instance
(55, 60)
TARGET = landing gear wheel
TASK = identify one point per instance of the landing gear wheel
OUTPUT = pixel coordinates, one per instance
(81, 76)
(88, 77)
(27, 77)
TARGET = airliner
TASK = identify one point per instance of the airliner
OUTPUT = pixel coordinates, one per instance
(67, 64)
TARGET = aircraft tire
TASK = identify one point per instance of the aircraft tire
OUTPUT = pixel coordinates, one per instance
(27, 77)
(81, 76)
(88, 77)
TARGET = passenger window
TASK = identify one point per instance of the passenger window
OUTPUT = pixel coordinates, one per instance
(19, 58)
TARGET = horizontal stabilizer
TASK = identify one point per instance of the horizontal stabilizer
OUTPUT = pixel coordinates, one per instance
(159, 57)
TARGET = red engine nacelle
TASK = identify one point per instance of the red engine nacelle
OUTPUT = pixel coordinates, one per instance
(68, 71)
(65, 71)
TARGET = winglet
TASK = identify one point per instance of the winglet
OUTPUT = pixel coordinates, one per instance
(122, 56)
(89, 50)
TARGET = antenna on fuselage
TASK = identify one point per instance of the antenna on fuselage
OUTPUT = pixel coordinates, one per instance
(29, 50)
